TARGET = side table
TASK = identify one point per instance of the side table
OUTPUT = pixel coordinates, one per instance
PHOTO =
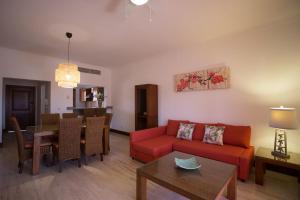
(263, 157)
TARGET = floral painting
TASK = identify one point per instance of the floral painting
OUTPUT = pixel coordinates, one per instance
(215, 78)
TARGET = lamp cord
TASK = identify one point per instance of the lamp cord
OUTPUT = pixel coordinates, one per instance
(69, 51)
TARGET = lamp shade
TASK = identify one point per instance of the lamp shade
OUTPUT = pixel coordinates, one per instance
(67, 75)
(283, 118)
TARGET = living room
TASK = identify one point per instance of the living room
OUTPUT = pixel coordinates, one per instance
(258, 41)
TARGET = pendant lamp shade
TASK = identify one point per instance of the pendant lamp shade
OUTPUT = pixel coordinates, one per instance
(67, 75)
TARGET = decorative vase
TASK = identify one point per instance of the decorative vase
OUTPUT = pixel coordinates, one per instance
(100, 104)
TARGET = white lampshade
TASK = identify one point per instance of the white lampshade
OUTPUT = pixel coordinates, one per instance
(139, 2)
(283, 118)
(67, 75)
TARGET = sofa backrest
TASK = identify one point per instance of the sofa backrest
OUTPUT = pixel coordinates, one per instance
(173, 126)
(233, 135)
(237, 135)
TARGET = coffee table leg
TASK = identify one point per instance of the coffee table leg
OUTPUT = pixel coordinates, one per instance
(36, 155)
(231, 188)
(141, 187)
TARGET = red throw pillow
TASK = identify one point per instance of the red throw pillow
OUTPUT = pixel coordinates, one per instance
(198, 131)
(173, 126)
(237, 135)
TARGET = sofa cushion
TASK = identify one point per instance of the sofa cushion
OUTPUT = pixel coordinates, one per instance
(198, 131)
(237, 135)
(214, 134)
(226, 153)
(185, 131)
(173, 126)
(156, 146)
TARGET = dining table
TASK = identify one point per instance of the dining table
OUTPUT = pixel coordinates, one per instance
(42, 135)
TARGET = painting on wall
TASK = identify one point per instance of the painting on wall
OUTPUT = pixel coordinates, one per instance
(215, 78)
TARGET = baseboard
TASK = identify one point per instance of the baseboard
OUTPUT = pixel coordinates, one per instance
(120, 132)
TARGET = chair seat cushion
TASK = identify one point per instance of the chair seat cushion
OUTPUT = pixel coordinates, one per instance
(226, 153)
(156, 146)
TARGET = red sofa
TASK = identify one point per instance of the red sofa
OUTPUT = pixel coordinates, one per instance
(150, 144)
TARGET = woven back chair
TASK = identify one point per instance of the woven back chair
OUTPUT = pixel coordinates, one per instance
(24, 146)
(50, 119)
(69, 115)
(89, 112)
(108, 118)
(93, 143)
(68, 147)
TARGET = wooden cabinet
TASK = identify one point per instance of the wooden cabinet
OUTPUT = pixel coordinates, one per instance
(146, 106)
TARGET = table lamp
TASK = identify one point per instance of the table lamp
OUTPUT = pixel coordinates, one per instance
(282, 119)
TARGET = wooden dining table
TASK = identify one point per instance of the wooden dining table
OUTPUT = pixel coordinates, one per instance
(42, 135)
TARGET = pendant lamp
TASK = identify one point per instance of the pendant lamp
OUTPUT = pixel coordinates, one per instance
(67, 74)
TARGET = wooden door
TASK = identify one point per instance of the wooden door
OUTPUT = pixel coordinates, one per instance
(20, 102)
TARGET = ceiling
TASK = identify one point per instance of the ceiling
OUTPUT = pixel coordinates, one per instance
(104, 35)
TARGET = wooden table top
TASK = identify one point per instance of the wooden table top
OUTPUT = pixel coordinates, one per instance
(204, 183)
(265, 153)
(47, 130)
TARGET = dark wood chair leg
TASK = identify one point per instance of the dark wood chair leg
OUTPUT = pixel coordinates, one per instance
(20, 166)
(85, 159)
(53, 159)
(60, 166)
(101, 156)
(79, 162)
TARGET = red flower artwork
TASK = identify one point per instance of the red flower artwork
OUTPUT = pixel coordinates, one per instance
(201, 80)
(215, 79)
(182, 84)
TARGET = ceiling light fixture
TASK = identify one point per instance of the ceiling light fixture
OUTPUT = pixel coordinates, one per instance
(139, 2)
(67, 74)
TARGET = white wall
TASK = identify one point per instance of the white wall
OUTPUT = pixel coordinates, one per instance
(23, 65)
(265, 69)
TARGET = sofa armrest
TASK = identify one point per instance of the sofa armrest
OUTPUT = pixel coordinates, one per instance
(141, 135)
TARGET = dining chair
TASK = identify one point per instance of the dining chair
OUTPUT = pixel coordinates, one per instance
(108, 118)
(25, 145)
(50, 119)
(68, 146)
(69, 115)
(89, 112)
(92, 144)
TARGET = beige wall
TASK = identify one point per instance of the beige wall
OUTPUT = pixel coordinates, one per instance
(265, 69)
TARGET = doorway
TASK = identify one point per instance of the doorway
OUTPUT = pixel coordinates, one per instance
(26, 99)
(20, 102)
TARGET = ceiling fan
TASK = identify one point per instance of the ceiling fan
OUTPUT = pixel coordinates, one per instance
(128, 5)
(113, 4)
(139, 2)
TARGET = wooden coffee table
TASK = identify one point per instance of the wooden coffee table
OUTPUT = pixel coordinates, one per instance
(209, 182)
